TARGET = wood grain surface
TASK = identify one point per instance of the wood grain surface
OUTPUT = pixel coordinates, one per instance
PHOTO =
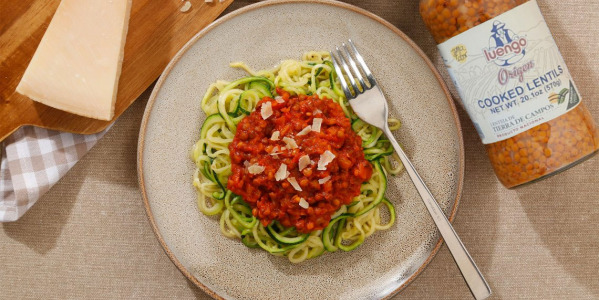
(157, 29)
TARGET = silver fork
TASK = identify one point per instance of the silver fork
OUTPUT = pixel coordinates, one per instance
(369, 103)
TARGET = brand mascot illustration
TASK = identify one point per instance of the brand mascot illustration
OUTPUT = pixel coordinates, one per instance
(501, 37)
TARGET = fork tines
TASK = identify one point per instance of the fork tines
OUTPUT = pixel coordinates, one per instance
(342, 57)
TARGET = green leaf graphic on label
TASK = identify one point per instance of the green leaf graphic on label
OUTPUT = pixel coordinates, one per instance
(562, 96)
(574, 98)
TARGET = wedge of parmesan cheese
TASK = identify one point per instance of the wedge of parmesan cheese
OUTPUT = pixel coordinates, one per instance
(77, 65)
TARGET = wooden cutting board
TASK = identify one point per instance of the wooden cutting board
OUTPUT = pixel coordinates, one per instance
(157, 30)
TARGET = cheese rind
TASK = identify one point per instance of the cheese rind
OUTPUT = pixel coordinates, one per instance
(77, 65)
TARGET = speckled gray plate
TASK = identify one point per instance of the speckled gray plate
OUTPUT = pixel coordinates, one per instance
(262, 35)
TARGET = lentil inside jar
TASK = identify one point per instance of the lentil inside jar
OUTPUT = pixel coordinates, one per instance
(541, 150)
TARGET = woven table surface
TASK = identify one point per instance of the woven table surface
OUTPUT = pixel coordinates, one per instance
(89, 236)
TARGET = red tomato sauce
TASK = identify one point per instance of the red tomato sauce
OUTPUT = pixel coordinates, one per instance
(279, 200)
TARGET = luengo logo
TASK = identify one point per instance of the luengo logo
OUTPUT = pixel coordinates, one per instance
(505, 47)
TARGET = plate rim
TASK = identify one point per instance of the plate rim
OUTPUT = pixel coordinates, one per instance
(259, 5)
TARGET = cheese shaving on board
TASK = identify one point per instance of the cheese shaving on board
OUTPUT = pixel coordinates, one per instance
(186, 7)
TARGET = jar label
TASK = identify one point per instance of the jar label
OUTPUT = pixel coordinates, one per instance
(510, 74)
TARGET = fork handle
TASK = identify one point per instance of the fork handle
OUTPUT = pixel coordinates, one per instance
(473, 277)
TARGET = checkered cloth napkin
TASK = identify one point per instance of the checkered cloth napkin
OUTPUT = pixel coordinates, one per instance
(33, 160)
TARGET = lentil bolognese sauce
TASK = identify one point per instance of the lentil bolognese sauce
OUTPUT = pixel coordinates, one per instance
(304, 129)
(287, 165)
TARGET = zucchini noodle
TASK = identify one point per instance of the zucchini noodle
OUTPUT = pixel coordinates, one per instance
(226, 103)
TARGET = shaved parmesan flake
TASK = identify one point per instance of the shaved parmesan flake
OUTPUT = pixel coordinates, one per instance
(291, 144)
(246, 163)
(266, 110)
(305, 131)
(281, 172)
(279, 99)
(275, 151)
(275, 135)
(324, 180)
(304, 161)
(294, 184)
(316, 123)
(255, 169)
(317, 111)
(325, 159)
(303, 203)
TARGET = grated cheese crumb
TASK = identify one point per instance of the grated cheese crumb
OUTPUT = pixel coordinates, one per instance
(325, 159)
(291, 144)
(316, 123)
(246, 163)
(275, 135)
(303, 203)
(279, 99)
(305, 131)
(266, 110)
(281, 173)
(304, 161)
(294, 183)
(324, 180)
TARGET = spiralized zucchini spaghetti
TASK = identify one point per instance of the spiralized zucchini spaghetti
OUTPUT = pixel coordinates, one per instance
(328, 191)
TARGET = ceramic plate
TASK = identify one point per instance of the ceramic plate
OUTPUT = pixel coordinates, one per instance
(262, 35)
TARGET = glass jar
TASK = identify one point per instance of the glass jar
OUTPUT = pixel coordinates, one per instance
(509, 74)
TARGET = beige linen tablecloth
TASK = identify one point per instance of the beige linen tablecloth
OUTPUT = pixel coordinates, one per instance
(89, 236)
